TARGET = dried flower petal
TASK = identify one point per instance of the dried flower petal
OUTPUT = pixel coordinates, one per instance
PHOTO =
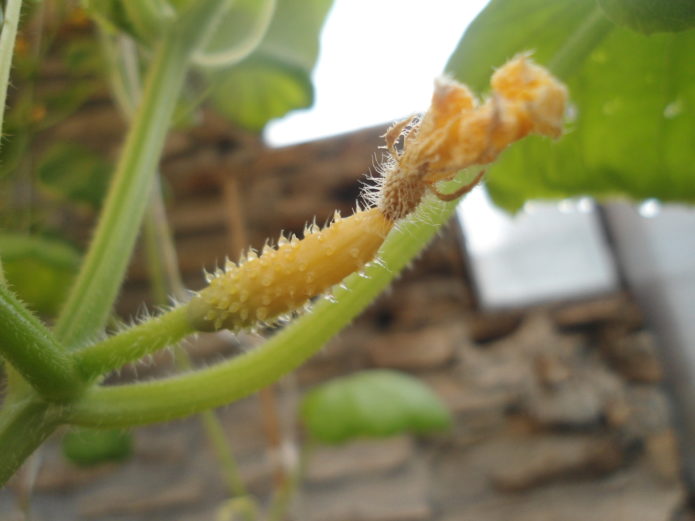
(457, 132)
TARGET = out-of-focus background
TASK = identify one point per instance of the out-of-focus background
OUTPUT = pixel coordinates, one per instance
(533, 328)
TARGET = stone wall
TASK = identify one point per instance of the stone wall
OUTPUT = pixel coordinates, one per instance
(558, 410)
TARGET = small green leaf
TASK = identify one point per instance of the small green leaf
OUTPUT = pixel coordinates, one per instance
(276, 77)
(87, 447)
(75, 174)
(649, 16)
(375, 403)
(39, 270)
(633, 103)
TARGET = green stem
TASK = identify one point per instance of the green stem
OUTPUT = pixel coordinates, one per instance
(23, 427)
(578, 46)
(34, 352)
(133, 343)
(282, 499)
(157, 276)
(182, 395)
(215, 434)
(124, 72)
(89, 303)
(162, 261)
(8, 36)
(15, 385)
(160, 251)
(223, 452)
(7, 40)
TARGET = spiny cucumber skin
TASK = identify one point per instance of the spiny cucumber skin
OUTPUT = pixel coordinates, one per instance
(279, 281)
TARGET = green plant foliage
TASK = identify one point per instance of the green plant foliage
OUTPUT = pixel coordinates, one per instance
(84, 64)
(74, 174)
(144, 19)
(648, 16)
(87, 447)
(270, 89)
(111, 13)
(149, 17)
(376, 403)
(237, 33)
(633, 113)
(276, 77)
(39, 270)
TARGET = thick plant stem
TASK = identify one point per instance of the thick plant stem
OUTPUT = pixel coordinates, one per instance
(7, 39)
(89, 303)
(15, 382)
(23, 427)
(149, 402)
(34, 352)
(90, 300)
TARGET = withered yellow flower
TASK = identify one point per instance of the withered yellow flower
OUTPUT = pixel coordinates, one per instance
(456, 132)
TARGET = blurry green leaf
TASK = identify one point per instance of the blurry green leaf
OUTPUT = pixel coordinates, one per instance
(293, 35)
(150, 18)
(39, 270)
(75, 174)
(82, 57)
(633, 103)
(14, 145)
(111, 13)
(143, 19)
(91, 446)
(376, 403)
(276, 77)
(257, 91)
(648, 16)
(237, 33)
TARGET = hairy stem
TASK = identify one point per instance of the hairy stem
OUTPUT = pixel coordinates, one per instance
(34, 352)
(161, 400)
(8, 35)
(7, 39)
(23, 427)
(133, 343)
